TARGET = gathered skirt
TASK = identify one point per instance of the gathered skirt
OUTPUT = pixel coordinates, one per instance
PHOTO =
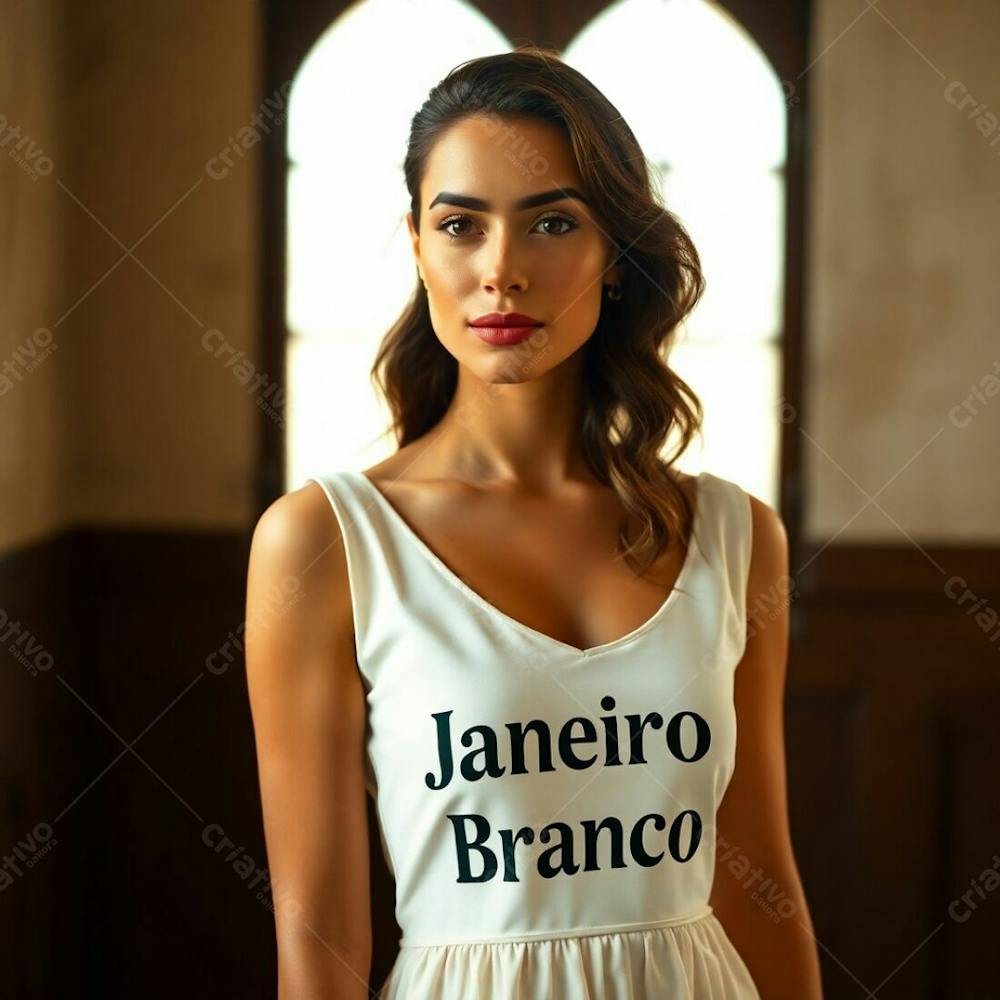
(689, 960)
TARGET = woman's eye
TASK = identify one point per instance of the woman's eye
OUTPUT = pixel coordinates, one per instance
(459, 220)
(452, 222)
(568, 223)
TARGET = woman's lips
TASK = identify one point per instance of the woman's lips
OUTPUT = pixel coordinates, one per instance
(504, 328)
(504, 336)
(505, 319)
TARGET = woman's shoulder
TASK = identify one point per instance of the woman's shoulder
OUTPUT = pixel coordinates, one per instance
(297, 554)
(769, 542)
(298, 520)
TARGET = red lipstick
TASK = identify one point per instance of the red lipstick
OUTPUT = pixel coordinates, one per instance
(504, 329)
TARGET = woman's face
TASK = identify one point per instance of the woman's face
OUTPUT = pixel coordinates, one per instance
(546, 261)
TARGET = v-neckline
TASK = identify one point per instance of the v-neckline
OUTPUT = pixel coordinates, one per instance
(449, 574)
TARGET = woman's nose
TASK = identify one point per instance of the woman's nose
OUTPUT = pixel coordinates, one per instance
(503, 272)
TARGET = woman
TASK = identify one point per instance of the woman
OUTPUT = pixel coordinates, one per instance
(525, 633)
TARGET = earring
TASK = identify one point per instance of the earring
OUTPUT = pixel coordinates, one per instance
(614, 291)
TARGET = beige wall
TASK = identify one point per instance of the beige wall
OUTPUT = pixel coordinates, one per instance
(904, 316)
(34, 375)
(164, 435)
(132, 422)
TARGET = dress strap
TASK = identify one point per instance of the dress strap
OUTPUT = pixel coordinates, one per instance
(362, 544)
(388, 577)
(728, 538)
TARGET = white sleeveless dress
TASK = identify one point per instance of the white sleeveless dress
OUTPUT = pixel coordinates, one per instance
(548, 812)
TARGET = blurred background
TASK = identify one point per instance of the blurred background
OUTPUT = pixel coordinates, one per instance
(202, 211)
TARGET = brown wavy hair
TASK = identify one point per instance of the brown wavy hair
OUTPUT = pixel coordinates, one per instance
(633, 401)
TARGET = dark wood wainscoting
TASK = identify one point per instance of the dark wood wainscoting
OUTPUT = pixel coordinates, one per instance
(892, 742)
(893, 745)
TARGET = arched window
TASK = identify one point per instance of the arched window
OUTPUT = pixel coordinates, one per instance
(349, 262)
(709, 113)
(707, 109)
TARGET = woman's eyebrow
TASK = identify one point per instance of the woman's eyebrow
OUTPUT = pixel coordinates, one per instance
(531, 201)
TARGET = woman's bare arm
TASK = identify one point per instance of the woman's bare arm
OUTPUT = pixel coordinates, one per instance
(757, 893)
(308, 710)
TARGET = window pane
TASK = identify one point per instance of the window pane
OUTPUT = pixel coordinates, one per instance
(737, 220)
(689, 80)
(335, 414)
(389, 53)
(350, 265)
(739, 386)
